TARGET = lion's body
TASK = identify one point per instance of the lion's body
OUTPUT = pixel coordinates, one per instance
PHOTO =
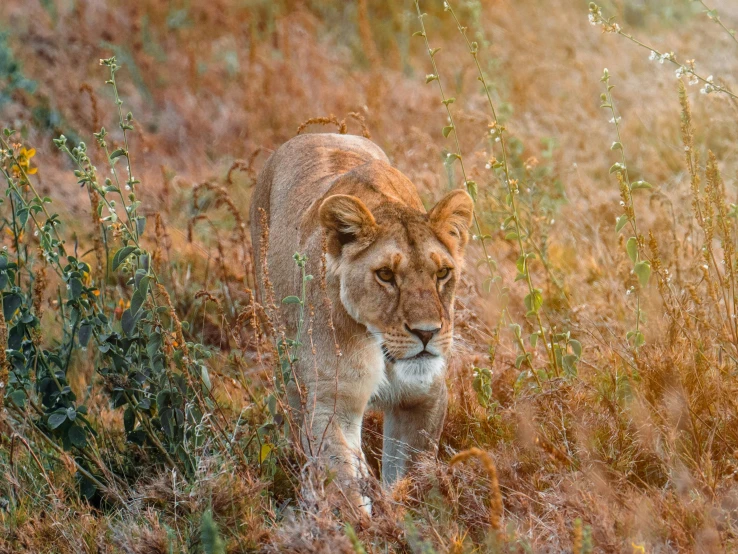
(393, 335)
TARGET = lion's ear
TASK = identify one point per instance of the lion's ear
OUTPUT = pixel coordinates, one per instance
(453, 216)
(346, 219)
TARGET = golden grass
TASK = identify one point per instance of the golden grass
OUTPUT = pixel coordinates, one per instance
(635, 453)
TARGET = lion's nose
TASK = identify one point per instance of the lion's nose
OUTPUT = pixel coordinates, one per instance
(425, 335)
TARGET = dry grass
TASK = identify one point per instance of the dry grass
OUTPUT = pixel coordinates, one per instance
(635, 453)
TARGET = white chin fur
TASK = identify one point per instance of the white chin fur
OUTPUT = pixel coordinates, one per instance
(418, 373)
(406, 379)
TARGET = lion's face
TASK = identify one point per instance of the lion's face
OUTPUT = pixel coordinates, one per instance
(398, 270)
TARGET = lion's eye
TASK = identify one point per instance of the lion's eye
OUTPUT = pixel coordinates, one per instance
(442, 273)
(385, 274)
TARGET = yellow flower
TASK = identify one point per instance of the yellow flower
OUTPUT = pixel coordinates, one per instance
(24, 161)
(638, 548)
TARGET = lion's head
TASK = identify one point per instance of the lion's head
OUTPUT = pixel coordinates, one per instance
(398, 269)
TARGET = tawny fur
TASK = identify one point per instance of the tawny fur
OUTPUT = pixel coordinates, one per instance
(375, 226)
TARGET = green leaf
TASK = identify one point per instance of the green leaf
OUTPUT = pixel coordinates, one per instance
(533, 301)
(205, 376)
(117, 153)
(447, 130)
(640, 185)
(143, 285)
(137, 301)
(121, 255)
(77, 436)
(487, 285)
(18, 398)
(291, 300)
(84, 333)
(129, 419)
(640, 340)
(643, 271)
(620, 223)
(22, 216)
(570, 365)
(448, 101)
(486, 261)
(86, 487)
(617, 167)
(209, 535)
(636, 337)
(471, 187)
(272, 404)
(167, 422)
(576, 347)
(11, 303)
(632, 247)
(75, 288)
(616, 146)
(56, 419)
(129, 320)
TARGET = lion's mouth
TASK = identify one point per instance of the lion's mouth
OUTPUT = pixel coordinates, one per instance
(422, 355)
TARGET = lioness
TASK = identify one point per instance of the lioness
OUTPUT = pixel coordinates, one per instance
(391, 274)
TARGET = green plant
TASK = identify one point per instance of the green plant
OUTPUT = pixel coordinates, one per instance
(555, 345)
(159, 379)
(635, 244)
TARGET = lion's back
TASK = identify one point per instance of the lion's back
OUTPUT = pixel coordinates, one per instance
(297, 174)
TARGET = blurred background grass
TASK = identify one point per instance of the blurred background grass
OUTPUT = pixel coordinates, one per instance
(212, 82)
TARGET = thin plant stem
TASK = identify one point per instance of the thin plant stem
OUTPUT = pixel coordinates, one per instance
(511, 188)
(712, 14)
(470, 186)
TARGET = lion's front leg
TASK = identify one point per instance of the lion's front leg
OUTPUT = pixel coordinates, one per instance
(334, 437)
(412, 430)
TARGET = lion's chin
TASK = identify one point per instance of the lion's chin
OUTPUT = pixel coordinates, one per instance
(407, 379)
(419, 372)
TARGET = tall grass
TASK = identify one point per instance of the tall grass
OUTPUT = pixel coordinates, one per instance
(143, 385)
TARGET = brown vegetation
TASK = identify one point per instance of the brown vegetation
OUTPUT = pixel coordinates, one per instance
(621, 447)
